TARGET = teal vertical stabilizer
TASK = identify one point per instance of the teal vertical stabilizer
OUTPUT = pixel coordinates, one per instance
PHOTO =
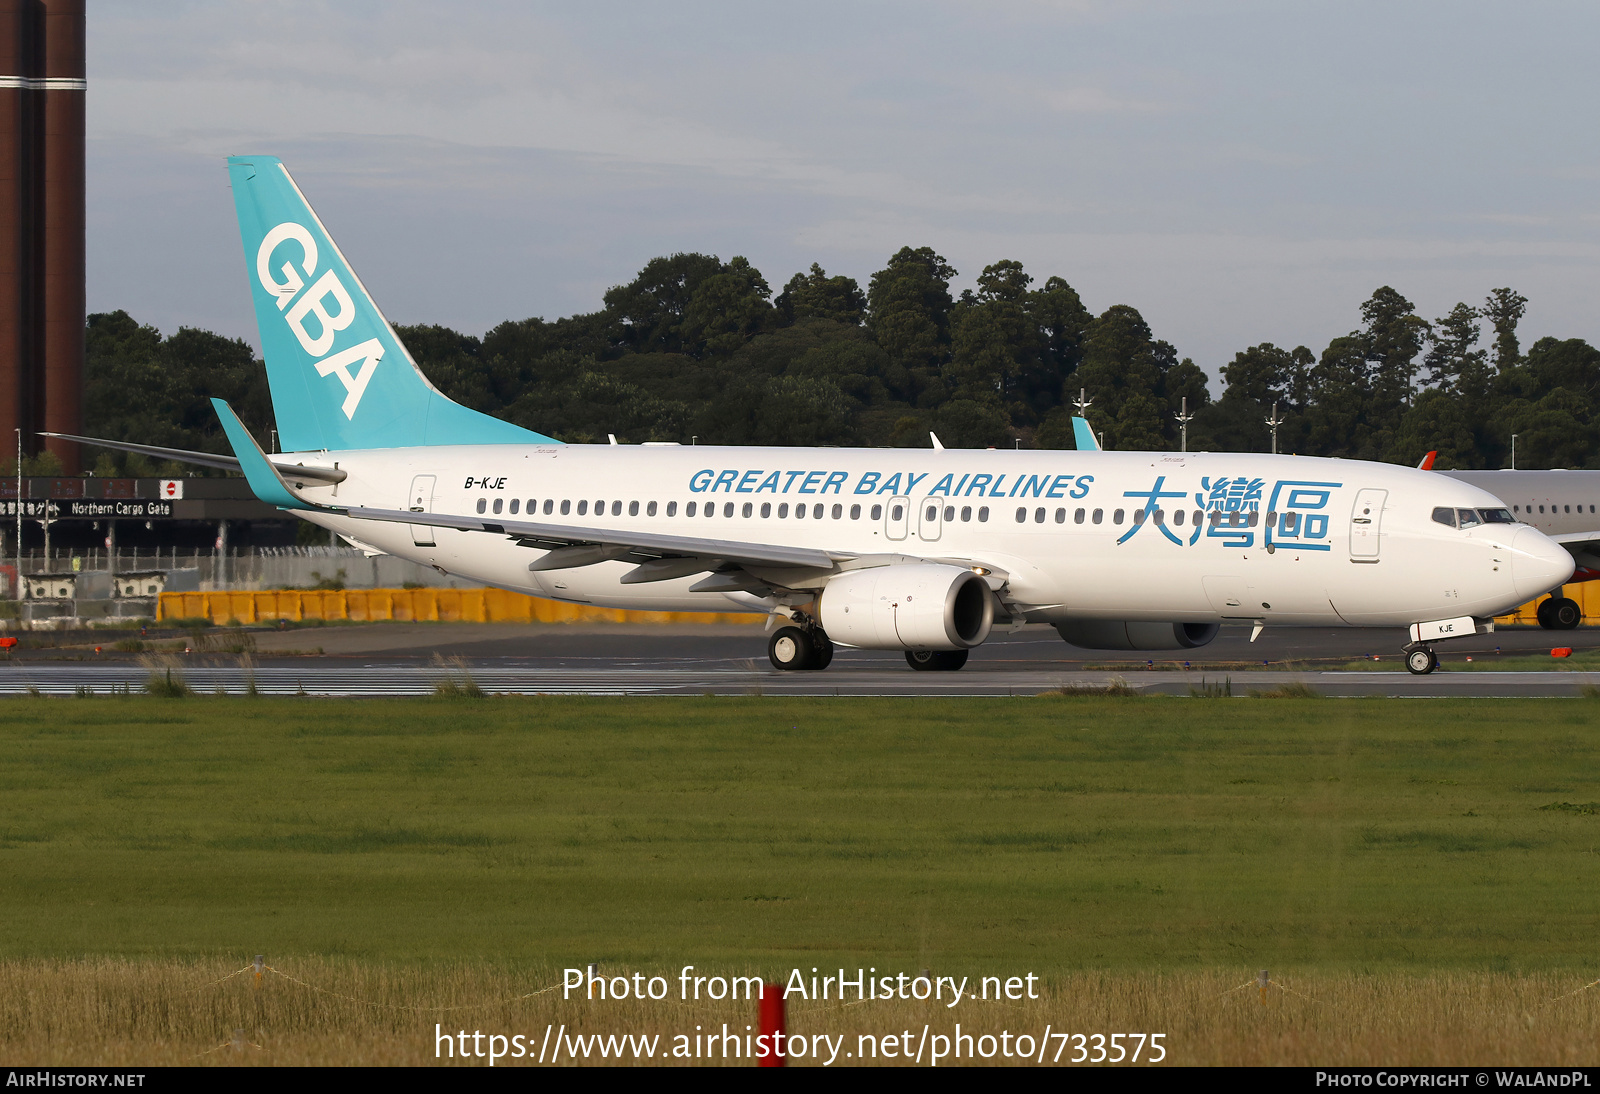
(1084, 436)
(339, 377)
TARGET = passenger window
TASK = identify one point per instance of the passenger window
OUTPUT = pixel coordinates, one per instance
(897, 512)
(616, 508)
(966, 512)
(1138, 516)
(783, 511)
(855, 512)
(1198, 517)
(932, 514)
(877, 512)
(766, 510)
(727, 508)
(483, 503)
(650, 510)
(1077, 518)
(549, 503)
(689, 510)
(748, 510)
(1061, 516)
(983, 513)
(1022, 516)
(515, 502)
(1254, 518)
(1291, 521)
(1468, 517)
(1177, 518)
(1541, 509)
(566, 506)
(838, 511)
(1568, 508)
(1161, 516)
(949, 512)
(633, 508)
(816, 511)
(499, 504)
(583, 508)
(1099, 515)
(799, 512)
(672, 508)
(1516, 508)
(1116, 517)
(1038, 516)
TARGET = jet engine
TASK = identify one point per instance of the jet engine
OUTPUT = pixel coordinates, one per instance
(1099, 634)
(915, 606)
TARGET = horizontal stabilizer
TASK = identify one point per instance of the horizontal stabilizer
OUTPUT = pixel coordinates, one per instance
(208, 459)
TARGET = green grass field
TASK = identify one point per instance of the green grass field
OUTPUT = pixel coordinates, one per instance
(1052, 834)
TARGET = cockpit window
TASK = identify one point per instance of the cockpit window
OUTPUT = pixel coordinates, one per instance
(1442, 515)
(1496, 516)
(1468, 517)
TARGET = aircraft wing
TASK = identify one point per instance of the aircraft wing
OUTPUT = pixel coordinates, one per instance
(577, 545)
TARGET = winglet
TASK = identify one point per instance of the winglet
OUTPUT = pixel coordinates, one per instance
(263, 478)
(934, 437)
(1084, 435)
(1427, 461)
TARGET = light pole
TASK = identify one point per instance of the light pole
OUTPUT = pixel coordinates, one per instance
(1274, 422)
(1184, 418)
(19, 514)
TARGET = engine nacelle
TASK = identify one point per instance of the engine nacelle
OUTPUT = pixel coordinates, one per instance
(915, 606)
(1100, 634)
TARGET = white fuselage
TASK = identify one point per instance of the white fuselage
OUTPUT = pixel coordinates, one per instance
(1078, 535)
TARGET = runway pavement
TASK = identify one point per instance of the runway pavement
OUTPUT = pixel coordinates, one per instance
(403, 659)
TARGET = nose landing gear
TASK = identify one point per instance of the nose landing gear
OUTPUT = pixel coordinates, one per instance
(1421, 660)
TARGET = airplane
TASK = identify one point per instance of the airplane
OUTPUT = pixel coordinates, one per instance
(1565, 505)
(923, 551)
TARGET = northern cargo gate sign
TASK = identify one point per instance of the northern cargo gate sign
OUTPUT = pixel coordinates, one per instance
(91, 509)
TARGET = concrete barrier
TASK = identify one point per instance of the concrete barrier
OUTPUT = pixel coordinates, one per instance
(408, 605)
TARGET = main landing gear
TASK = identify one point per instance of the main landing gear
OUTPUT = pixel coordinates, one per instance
(1421, 660)
(1559, 613)
(936, 660)
(800, 648)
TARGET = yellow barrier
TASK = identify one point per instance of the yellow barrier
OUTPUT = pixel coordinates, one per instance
(1586, 593)
(407, 605)
(499, 606)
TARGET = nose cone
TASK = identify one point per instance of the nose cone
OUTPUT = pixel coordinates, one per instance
(1538, 563)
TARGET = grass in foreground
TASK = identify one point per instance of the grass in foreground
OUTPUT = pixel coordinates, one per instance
(141, 1013)
(1051, 834)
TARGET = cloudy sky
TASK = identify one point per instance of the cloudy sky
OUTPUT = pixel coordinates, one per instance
(1241, 172)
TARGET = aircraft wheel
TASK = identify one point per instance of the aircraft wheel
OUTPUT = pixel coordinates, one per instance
(790, 648)
(1421, 661)
(1542, 613)
(936, 660)
(822, 652)
(1565, 615)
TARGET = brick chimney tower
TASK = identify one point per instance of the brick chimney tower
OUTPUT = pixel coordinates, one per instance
(42, 87)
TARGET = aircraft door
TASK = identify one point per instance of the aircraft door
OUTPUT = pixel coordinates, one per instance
(929, 518)
(420, 500)
(1366, 524)
(896, 518)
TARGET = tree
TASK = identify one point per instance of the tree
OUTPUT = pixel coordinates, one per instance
(726, 310)
(818, 296)
(1452, 365)
(908, 309)
(994, 339)
(648, 313)
(1119, 366)
(1504, 309)
(1392, 336)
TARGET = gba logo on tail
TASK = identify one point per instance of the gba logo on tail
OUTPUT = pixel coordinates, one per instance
(313, 305)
